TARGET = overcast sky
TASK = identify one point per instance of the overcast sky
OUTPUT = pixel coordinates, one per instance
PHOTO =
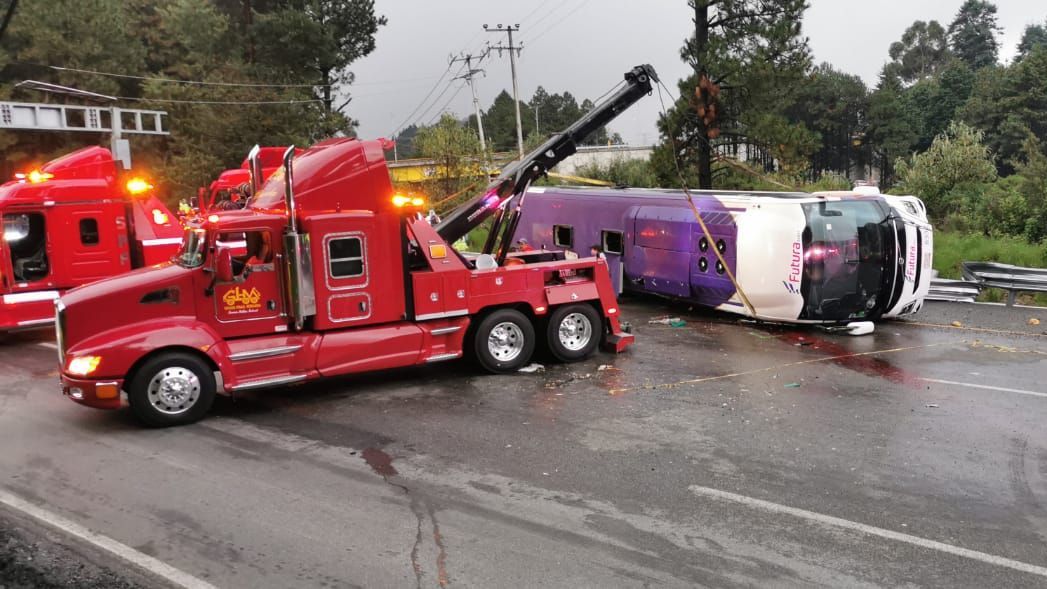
(584, 47)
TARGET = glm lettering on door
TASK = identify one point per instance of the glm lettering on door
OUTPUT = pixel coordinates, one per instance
(240, 300)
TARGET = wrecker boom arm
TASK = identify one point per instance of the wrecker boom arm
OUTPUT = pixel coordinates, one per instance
(517, 176)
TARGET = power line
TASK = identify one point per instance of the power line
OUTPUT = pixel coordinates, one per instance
(558, 22)
(403, 123)
(424, 113)
(443, 109)
(189, 82)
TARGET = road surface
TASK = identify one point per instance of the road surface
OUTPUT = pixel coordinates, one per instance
(720, 454)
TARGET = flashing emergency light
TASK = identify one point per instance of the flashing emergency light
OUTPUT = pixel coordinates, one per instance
(35, 177)
(160, 217)
(401, 201)
(138, 186)
(212, 218)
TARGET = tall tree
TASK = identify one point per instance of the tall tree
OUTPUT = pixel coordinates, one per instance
(1034, 36)
(832, 104)
(921, 52)
(1007, 104)
(754, 51)
(322, 36)
(972, 34)
(892, 128)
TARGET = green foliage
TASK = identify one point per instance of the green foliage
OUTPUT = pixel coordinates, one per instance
(956, 159)
(831, 104)
(951, 248)
(455, 150)
(921, 52)
(1034, 36)
(1008, 104)
(972, 34)
(621, 172)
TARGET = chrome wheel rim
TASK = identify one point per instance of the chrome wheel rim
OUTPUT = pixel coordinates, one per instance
(173, 390)
(506, 341)
(575, 331)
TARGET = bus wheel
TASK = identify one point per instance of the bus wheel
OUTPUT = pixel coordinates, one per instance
(573, 332)
(504, 341)
(171, 389)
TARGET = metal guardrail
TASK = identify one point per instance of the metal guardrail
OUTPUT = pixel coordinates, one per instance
(957, 291)
(1013, 279)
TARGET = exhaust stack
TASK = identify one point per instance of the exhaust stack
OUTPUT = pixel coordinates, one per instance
(301, 294)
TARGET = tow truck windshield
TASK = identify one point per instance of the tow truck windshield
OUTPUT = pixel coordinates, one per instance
(848, 249)
(192, 253)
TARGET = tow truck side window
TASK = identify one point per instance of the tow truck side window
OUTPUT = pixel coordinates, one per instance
(89, 231)
(345, 257)
(27, 242)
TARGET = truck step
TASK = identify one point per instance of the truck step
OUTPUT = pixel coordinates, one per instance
(269, 382)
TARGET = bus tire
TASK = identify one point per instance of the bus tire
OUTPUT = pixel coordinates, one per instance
(573, 332)
(171, 389)
(504, 341)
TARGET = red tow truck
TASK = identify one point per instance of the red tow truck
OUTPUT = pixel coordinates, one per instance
(72, 221)
(231, 189)
(339, 275)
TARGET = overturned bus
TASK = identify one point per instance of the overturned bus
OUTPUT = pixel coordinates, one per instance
(830, 258)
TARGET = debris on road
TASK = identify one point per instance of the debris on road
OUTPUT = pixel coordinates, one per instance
(931, 405)
(532, 368)
(667, 320)
(956, 324)
(605, 367)
(792, 385)
(1034, 321)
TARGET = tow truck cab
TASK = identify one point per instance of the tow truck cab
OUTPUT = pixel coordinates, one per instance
(72, 221)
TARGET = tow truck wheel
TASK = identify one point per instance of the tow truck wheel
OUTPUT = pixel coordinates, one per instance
(504, 341)
(574, 332)
(171, 389)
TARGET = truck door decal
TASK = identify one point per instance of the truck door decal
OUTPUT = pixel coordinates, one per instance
(255, 292)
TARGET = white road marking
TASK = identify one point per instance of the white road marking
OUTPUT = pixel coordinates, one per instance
(51, 345)
(836, 522)
(123, 551)
(985, 386)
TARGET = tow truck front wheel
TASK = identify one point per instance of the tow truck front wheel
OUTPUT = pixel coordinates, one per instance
(504, 341)
(573, 332)
(171, 389)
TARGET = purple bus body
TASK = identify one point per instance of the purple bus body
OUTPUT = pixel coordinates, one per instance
(664, 250)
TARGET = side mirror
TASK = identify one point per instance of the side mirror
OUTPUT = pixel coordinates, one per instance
(224, 265)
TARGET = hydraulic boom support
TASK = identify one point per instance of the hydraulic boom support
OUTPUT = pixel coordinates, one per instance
(517, 176)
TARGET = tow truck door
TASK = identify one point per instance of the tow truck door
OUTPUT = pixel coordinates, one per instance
(251, 304)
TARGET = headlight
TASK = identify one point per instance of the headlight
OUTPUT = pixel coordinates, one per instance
(83, 365)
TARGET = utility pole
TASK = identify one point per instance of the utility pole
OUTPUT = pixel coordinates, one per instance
(513, 52)
(468, 76)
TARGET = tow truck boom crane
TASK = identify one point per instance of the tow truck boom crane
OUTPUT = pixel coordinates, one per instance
(516, 177)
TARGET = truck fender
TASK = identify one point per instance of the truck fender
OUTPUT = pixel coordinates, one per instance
(124, 348)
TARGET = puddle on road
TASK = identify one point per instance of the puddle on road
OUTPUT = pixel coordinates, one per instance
(844, 357)
(379, 461)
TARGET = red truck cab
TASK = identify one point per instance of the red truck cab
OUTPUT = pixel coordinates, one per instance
(72, 221)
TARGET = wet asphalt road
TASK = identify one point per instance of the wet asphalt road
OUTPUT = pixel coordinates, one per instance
(716, 454)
